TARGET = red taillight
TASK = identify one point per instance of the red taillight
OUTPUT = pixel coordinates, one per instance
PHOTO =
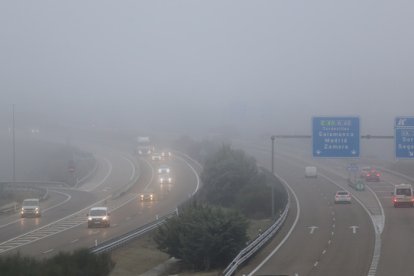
(368, 174)
(394, 199)
(412, 199)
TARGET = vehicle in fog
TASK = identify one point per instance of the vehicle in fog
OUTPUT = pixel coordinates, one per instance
(30, 208)
(144, 146)
(156, 156)
(164, 169)
(99, 217)
(166, 154)
(311, 172)
(342, 197)
(165, 178)
(147, 195)
(403, 195)
(370, 174)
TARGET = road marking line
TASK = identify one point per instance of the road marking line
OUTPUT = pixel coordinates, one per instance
(74, 241)
(323, 252)
(48, 251)
(316, 264)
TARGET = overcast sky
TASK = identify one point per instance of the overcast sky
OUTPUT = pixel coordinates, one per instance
(256, 64)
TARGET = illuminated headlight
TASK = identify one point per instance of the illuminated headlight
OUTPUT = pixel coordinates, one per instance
(151, 196)
(168, 170)
(105, 218)
(159, 170)
(142, 196)
(169, 179)
(89, 218)
(161, 180)
(140, 151)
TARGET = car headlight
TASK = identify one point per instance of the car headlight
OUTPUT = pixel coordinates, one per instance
(89, 218)
(168, 170)
(105, 218)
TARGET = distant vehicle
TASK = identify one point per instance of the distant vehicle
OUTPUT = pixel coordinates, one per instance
(147, 196)
(403, 195)
(342, 197)
(156, 157)
(370, 174)
(165, 178)
(30, 208)
(311, 172)
(166, 154)
(163, 169)
(99, 216)
(357, 184)
(144, 146)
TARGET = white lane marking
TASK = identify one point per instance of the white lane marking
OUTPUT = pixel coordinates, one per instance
(74, 241)
(133, 167)
(333, 225)
(332, 233)
(354, 228)
(316, 264)
(68, 197)
(104, 179)
(290, 230)
(312, 229)
(152, 173)
(195, 173)
(330, 241)
(333, 219)
(323, 252)
(47, 251)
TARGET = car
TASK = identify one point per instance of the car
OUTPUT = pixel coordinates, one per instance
(403, 195)
(147, 196)
(30, 208)
(156, 156)
(311, 172)
(166, 154)
(164, 169)
(165, 178)
(99, 217)
(370, 174)
(342, 197)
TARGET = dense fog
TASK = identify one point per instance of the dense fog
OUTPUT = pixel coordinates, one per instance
(199, 66)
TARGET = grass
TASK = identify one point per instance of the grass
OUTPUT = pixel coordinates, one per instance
(142, 254)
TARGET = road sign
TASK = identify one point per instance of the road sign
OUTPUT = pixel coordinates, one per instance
(404, 137)
(352, 167)
(335, 137)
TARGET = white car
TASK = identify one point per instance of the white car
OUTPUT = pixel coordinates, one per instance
(147, 196)
(30, 208)
(165, 178)
(164, 169)
(166, 154)
(98, 216)
(343, 197)
(156, 157)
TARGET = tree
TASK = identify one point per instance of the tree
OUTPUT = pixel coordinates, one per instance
(203, 237)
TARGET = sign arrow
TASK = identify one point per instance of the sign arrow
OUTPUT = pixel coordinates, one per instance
(354, 228)
(312, 229)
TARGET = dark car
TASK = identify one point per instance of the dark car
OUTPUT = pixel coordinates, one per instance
(370, 174)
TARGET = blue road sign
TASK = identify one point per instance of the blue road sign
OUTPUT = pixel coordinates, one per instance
(335, 137)
(404, 137)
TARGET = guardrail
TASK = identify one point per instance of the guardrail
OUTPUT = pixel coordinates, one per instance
(257, 244)
(9, 208)
(128, 237)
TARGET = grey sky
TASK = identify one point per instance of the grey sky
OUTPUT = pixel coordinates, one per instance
(261, 64)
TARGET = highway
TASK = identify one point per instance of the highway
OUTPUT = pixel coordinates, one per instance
(63, 222)
(379, 245)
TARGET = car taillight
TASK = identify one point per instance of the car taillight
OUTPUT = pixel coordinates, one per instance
(368, 174)
(394, 199)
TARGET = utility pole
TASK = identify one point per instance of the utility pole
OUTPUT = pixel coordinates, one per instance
(14, 149)
(273, 137)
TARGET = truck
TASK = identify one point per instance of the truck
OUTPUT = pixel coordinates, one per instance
(144, 146)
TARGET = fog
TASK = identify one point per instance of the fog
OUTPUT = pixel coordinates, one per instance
(182, 66)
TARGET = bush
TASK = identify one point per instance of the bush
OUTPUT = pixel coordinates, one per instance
(203, 237)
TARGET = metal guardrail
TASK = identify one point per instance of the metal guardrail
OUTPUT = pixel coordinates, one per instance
(257, 244)
(128, 237)
(9, 208)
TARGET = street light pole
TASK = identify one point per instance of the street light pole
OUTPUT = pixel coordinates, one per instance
(14, 149)
(273, 137)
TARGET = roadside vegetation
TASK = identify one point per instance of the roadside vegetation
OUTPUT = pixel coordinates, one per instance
(211, 229)
(80, 263)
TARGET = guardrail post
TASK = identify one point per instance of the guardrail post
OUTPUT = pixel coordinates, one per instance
(156, 217)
